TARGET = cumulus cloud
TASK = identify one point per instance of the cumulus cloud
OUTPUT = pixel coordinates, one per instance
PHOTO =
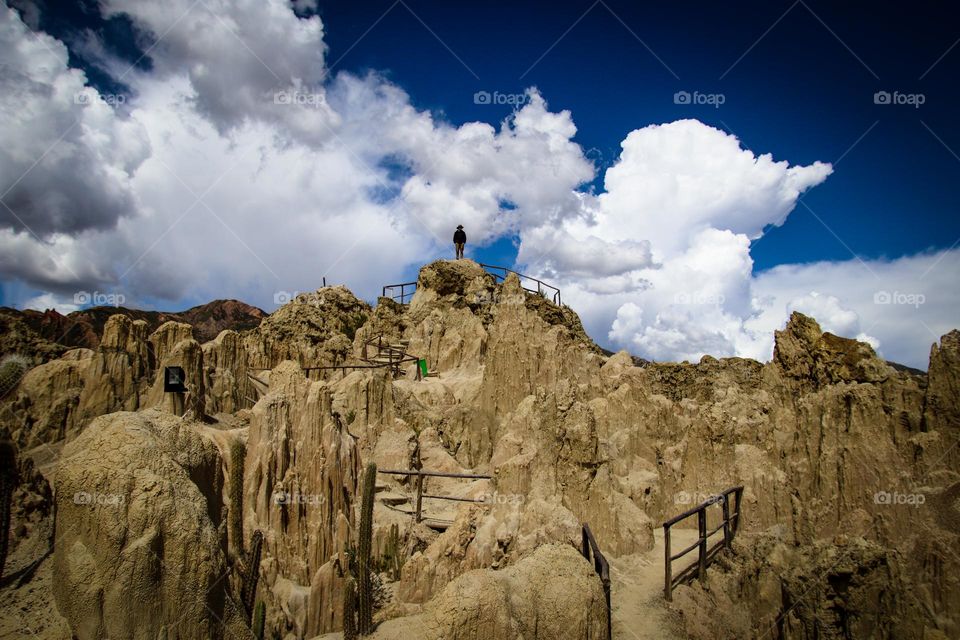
(67, 157)
(238, 167)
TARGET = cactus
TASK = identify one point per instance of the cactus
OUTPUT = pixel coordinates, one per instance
(365, 585)
(349, 608)
(9, 478)
(238, 454)
(249, 589)
(259, 619)
(12, 371)
(393, 557)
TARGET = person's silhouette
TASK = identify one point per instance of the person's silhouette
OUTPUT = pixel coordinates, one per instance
(459, 239)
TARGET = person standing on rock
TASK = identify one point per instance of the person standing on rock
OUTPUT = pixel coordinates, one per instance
(459, 239)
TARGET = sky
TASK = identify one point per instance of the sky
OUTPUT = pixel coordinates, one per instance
(688, 174)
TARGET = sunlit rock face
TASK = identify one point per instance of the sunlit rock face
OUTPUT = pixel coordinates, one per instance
(838, 453)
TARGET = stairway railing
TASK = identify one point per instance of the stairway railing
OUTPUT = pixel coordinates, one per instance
(500, 273)
(421, 475)
(730, 525)
(600, 565)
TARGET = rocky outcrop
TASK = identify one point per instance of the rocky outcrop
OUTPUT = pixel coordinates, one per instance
(300, 484)
(838, 589)
(138, 504)
(553, 593)
(838, 453)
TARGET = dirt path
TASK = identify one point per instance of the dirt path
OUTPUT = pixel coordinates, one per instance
(639, 612)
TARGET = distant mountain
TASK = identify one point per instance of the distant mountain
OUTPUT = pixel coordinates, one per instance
(84, 328)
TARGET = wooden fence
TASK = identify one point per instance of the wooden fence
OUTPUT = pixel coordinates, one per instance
(730, 524)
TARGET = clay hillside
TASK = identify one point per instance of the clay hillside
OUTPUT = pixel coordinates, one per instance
(51, 332)
(425, 470)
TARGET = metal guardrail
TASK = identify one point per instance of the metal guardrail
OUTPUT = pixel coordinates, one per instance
(421, 474)
(543, 288)
(730, 525)
(401, 297)
(395, 359)
(499, 274)
(600, 565)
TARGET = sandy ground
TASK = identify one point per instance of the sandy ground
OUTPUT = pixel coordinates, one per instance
(28, 612)
(636, 594)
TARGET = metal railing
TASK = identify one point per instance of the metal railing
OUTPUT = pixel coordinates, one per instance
(600, 565)
(729, 525)
(396, 358)
(500, 273)
(421, 474)
(401, 297)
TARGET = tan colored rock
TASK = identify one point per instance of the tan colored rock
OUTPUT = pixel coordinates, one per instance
(553, 593)
(138, 503)
(175, 347)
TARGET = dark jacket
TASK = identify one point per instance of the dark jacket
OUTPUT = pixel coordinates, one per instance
(459, 237)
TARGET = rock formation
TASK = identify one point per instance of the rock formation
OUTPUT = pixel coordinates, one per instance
(850, 470)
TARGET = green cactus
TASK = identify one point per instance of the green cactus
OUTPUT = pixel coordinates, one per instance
(9, 478)
(249, 589)
(12, 370)
(393, 556)
(365, 585)
(259, 619)
(349, 608)
(238, 454)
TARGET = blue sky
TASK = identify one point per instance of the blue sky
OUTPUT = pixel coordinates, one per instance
(796, 80)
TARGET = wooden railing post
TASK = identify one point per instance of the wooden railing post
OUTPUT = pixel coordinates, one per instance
(668, 565)
(702, 550)
(725, 505)
(419, 494)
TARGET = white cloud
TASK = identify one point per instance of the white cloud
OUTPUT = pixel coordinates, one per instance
(67, 157)
(343, 177)
(50, 301)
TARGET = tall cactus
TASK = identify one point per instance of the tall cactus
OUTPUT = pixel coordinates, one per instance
(349, 608)
(238, 454)
(249, 590)
(365, 543)
(9, 478)
(12, 370)
(259, 620)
